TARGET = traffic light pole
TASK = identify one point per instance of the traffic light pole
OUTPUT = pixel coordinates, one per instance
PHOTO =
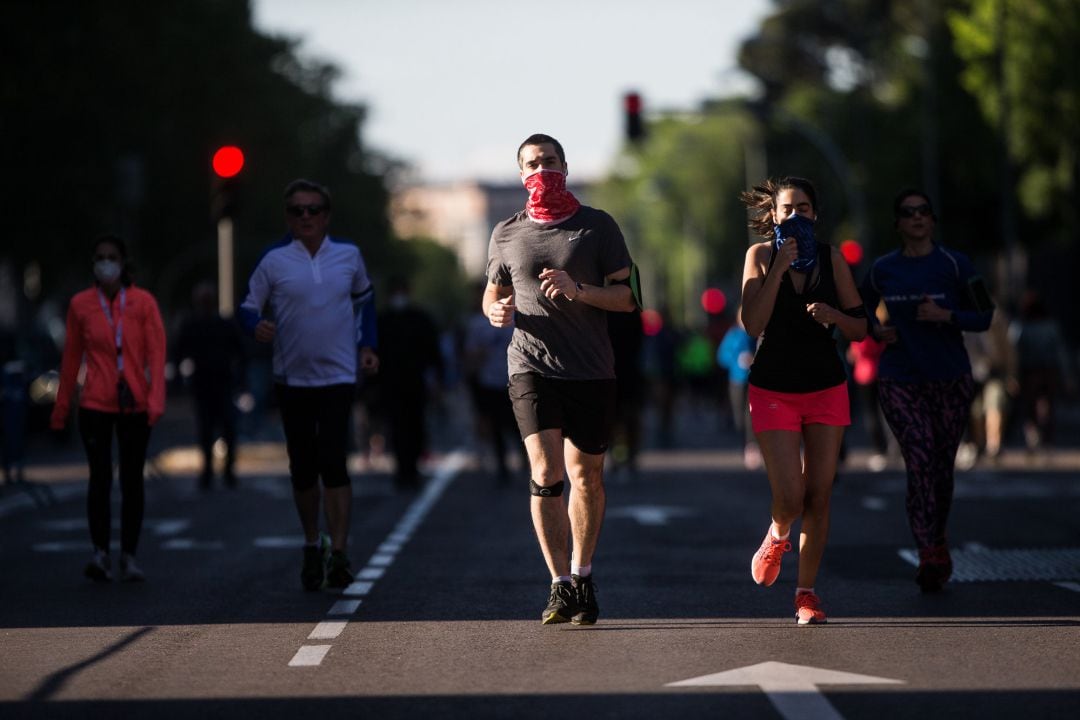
(225, 266)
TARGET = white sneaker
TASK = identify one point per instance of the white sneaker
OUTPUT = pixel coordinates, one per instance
(129, 571)
(99, 569)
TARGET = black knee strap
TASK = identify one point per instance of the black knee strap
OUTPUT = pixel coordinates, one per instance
(549, 491)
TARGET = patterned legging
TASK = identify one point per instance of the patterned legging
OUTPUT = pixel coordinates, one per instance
(928, 420)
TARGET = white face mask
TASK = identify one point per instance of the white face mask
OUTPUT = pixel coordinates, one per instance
(106, 271)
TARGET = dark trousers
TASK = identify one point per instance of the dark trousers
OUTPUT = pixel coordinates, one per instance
(214, 411)
(132, 438)
(408, 434)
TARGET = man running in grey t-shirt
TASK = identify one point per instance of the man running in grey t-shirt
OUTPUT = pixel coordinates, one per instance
(554, 270)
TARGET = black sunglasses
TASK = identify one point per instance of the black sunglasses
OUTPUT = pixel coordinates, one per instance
(910, 211)
(299, 210)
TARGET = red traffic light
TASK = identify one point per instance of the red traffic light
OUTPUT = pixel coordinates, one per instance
(228, 161)
(652, 322)
(635, 128)
(852, 251)
(713, 301)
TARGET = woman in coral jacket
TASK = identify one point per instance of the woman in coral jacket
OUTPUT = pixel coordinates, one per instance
(116, 329)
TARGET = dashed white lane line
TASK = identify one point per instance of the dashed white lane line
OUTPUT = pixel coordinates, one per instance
(358, 589)
(309, 655)
(344, 607)
(328, 630)
(312, 655)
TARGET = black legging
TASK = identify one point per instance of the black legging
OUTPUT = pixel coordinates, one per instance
(132, 437)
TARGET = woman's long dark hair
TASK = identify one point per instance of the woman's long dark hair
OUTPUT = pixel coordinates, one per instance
(760, 201)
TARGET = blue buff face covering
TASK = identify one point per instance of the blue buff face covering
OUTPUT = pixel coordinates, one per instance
(802, 229)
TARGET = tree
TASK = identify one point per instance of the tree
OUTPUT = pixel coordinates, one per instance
(111, 114)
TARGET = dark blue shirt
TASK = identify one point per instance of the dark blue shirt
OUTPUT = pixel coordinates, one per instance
(924, 350)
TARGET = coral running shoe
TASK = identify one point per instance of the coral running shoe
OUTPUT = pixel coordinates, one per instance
(808, 609)
(765, 566)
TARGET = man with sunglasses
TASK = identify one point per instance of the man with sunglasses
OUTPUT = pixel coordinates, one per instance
(311, 297)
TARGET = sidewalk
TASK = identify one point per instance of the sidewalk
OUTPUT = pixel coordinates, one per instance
(700, 441)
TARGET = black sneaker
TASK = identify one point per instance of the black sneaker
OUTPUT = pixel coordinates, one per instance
(313, 574)
(588, 610)
(338, 574)
(562, 604)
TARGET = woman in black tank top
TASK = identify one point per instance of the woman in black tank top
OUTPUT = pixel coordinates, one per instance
(796, 292)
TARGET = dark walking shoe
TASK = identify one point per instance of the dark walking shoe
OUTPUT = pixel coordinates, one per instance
(562, 604)
(338, 574)
(935, 568)
(129, 571)
(99, 569)
(588, 610)
(313, 574)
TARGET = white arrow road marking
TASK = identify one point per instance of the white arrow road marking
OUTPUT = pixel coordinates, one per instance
(792, 689)
(652, 515)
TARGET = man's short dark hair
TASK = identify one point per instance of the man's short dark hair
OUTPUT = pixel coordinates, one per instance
(540, 139)
(302, 185)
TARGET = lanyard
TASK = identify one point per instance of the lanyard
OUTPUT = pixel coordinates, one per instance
(118, 326)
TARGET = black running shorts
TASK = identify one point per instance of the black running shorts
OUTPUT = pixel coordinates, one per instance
(583, 409)
(316, 424)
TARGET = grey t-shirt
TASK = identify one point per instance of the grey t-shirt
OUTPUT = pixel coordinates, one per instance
(558, 338)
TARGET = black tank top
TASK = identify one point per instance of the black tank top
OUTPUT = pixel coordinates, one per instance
(798, 354)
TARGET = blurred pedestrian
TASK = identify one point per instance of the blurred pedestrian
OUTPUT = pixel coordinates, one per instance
(210, 349)
(1043, 368)
(554, 270)
(311, 297)
(796, 292)
(865, 358)
(932, 294)
(115, 329)
(993, 369)
(411, 371)
(13, 407)
(485, 349)
(736, 354)
(627, 341)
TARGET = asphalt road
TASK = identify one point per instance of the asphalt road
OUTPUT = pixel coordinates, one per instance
(444, 619)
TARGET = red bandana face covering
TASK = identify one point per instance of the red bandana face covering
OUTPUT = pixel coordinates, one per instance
(549, 200)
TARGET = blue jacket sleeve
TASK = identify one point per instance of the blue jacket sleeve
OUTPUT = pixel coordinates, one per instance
(367, 331)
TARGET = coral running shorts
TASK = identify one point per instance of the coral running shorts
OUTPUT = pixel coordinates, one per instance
(771, 410)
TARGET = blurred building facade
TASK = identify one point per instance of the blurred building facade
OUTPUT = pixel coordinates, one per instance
(459, 216)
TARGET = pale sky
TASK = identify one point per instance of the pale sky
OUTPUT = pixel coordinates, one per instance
(453, 86)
